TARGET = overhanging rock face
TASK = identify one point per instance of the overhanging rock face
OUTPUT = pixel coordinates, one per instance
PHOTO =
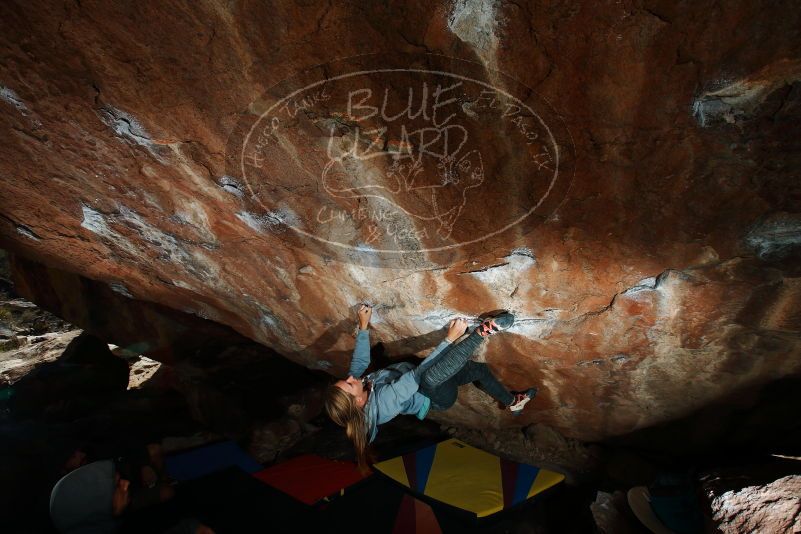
(623, 177)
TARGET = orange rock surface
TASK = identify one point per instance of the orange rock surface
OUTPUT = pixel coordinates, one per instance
(639, 212)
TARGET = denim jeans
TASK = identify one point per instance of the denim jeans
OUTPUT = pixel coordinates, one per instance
(453, 368)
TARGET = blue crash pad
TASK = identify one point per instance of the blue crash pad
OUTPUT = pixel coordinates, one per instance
(196, 463)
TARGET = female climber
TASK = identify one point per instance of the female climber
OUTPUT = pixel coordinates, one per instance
(361, 404)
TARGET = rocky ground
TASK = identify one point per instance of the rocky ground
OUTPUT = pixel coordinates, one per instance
(763, 497)
(23, 324)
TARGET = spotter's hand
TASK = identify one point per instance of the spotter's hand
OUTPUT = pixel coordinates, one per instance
(365, 312)
(456, 329)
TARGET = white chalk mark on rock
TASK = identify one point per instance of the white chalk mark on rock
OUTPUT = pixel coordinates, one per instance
(505, 277)
(120, 288)
(27, 232)
(11, 97)
(776, 236)
(94, 222)
(231, 185)
(129, 128)
(646, 284)
(475, 22)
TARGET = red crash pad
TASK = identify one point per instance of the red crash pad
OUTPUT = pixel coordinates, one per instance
(310, 478)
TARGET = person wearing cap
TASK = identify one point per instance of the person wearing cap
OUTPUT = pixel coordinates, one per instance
(92, 498)
(89, 499)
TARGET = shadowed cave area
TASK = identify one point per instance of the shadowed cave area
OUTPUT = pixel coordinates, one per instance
(196, 199)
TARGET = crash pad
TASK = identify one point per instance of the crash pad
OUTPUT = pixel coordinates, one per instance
(415, 517)
(195, 463)
(310, 478)
(458, 475)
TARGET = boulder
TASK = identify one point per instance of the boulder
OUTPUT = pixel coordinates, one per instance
(746, 504)
(622, 176)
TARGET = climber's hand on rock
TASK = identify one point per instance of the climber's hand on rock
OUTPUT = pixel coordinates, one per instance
(365, 312)
(456, 329)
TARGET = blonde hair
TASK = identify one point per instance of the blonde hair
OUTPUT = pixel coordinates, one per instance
(342, 409)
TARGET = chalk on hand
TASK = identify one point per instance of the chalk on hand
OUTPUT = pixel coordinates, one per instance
(375, 318)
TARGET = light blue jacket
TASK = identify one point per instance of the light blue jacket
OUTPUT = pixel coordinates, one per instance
(395, 387)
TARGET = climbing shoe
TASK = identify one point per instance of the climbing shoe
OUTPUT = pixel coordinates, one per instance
(521, 399)
(493, 325)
